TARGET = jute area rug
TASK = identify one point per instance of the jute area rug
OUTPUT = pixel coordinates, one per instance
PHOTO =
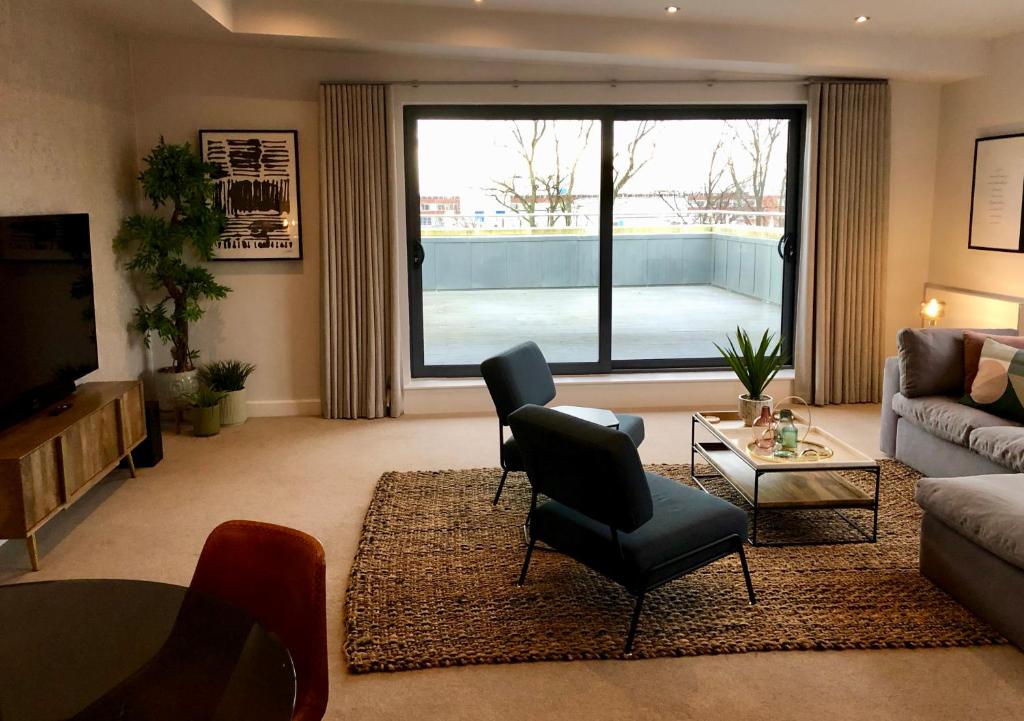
(433, 584)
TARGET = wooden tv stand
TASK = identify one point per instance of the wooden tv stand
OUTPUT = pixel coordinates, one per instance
(50, 460)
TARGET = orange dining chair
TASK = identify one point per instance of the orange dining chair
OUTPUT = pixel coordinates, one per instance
(276, 575)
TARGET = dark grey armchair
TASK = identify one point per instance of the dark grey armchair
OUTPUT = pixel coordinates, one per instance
(519, 376)
(639, 529)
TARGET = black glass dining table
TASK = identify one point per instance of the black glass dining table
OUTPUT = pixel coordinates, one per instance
(99, 650)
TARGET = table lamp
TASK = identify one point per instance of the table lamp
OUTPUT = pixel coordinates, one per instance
(931, 310)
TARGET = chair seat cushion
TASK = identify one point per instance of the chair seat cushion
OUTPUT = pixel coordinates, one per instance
(1003, 445)
(632, 426)
(512, 455)
(946, 418)
(685, 520)
(987, 510)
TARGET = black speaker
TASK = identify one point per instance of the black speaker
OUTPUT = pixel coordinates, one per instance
(150, 451)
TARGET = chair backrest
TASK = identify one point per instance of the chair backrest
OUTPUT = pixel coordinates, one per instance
(516, 377)
(590, 468)
(276, 575)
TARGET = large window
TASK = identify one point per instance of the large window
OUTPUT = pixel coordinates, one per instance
(614, 237)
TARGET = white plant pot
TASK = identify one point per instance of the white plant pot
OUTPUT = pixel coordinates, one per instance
(233, 408)
(750, 410)
(172, 387)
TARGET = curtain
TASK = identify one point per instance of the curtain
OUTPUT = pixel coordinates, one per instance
(843, 266)
(360, 366)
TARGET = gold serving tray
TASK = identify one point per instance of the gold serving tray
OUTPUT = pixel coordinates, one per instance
(806, 452)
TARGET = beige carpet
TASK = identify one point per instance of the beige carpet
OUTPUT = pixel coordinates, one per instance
(433, 584)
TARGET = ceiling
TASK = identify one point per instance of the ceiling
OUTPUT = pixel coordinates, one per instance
(948, 41)
(952, 18)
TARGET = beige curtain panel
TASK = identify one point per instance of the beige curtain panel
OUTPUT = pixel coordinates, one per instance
(844, 262)
(360, 359)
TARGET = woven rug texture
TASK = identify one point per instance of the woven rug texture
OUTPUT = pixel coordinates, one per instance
(433, 584)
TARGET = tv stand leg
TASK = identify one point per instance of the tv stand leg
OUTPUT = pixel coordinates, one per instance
(33, 551)
(131, 464)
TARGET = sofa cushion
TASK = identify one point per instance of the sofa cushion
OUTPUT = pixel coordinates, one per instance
(1004, 446)
(999, 386)
(974, 341)
(945, 417)
(987, 510)
(932, 360)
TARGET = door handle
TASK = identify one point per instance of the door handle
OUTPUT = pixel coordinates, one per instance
(785, 247)
(418, 255)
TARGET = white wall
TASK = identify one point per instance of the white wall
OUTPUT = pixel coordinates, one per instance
(989, 105)
(67, 145)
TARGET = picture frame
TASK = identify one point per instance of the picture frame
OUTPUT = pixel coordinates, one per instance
(997, 194)
(258, 190)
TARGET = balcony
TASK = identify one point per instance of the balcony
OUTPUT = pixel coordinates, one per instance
(676, 291)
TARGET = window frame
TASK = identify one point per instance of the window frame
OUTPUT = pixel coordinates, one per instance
(795, 113)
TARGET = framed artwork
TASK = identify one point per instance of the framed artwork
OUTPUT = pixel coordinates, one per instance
(997, 194)
(258, 190)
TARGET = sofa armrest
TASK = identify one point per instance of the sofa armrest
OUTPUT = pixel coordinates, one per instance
(890, 387)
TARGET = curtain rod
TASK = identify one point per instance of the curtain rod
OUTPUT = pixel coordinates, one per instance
(611, 82)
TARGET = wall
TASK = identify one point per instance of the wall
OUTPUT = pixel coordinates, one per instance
(989, 105)
(272, 317)
(915, 130)
(67, 145)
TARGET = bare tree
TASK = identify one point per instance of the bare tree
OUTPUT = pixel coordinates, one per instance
(548, 181)
(633, 163)
(757, 139)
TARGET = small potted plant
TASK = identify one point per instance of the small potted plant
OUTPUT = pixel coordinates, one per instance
(163, 247)
(205, 404)
(755, 367)
(228, 377)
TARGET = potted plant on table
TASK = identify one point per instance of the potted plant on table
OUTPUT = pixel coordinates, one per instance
(755, 368)
(229, 377)
(205, 404)
(164, 248)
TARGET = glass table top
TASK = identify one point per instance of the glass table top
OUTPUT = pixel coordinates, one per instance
(99, 650)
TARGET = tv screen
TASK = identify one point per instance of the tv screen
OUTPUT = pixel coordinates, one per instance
(47, 315)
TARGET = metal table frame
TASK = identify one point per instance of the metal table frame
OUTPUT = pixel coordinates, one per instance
(702, 449)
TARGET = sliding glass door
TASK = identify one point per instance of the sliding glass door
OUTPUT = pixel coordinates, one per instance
(615, 237)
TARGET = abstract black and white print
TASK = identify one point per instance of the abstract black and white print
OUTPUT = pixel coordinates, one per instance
(258, 189)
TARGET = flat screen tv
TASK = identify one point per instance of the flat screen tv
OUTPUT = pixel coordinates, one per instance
(47, 315)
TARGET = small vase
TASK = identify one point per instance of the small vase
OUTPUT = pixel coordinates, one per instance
(233, 408)
(206, 421)
(750, 409)
(763, 434)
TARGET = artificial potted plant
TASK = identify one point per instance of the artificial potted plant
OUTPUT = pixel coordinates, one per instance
(228, 377)
(205, 404)
(755, 368)
(164, 248)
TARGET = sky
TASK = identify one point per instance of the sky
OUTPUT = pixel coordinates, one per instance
(463, 157)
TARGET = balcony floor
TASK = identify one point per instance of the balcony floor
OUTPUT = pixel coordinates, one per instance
(678, 321)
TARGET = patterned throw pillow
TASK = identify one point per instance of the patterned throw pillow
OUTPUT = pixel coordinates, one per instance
(999, 386)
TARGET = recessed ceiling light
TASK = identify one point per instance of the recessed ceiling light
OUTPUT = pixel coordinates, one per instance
(861, 19)
(671, 9)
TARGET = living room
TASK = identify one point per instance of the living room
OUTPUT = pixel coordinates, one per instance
(821, 177)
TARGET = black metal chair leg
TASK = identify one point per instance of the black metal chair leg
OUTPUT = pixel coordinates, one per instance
(746, 575)
(501, 485)
(632, 625)
(526, 563)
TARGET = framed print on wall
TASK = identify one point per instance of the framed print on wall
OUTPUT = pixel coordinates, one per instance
(258, 190)
(997, 194)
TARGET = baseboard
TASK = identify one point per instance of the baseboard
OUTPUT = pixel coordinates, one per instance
(273, 409)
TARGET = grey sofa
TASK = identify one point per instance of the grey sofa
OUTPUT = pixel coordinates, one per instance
(925, 427)
(972, 533)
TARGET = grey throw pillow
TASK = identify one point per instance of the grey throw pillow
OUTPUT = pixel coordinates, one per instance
(932, 361)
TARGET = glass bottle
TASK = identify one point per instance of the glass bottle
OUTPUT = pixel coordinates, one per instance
(763, 430)
(786, 435)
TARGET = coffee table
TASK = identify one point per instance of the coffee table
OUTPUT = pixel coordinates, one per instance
(784, 484)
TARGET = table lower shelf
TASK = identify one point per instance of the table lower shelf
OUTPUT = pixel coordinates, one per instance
(785, 489)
